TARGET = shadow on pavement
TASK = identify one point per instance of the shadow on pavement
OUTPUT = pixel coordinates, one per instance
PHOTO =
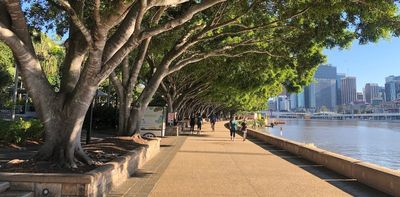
(349, 185)
(141, 174)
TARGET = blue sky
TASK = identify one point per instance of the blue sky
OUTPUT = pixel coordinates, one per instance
(370, 63)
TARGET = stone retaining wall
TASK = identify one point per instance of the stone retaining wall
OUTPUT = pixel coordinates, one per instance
(375, 176)
(94, 183)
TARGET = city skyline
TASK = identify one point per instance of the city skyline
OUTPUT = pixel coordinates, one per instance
(370, 63)
(332, 91)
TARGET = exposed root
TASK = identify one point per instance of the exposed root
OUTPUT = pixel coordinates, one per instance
(83, 157)
(63, 158)
(138, 139)
(44, 153)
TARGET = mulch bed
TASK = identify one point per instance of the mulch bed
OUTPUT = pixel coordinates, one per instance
(17, 158)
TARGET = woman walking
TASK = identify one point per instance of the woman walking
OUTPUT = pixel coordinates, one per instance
(232, 127)
(244, 129)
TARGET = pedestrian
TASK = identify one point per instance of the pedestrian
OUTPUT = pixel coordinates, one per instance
(244, 129)
(192, 122)
(232, 127)
(213, 120)
(199, 122)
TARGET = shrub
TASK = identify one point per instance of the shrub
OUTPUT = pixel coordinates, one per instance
(20, 130)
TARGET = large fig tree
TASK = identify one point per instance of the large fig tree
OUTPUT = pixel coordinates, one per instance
(287, 33)
(100, 34)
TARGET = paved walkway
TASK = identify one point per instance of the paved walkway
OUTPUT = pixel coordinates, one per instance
(212, 165)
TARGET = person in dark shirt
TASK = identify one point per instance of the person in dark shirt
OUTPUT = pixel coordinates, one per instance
(199, 122)
(213, 120)
(192, 122)
(244, 129)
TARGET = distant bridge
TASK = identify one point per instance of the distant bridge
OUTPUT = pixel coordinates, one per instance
(336, 116)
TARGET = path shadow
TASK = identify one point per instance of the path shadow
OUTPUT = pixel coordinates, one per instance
(195, 135)
(226, 153)
(141, 174)
(348, 185)
(210, 140)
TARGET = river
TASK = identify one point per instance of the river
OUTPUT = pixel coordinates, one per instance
(372, 141)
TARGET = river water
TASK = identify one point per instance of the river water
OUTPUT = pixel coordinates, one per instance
(371, 141)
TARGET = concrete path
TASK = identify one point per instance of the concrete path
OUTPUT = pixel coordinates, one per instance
(211, 165)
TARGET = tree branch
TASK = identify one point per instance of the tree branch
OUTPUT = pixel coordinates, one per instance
(135, 39)
(248, 29)
(96, 12)
(75, 19)
(122, 34)
(18, 24)
(180, 20)
(166, 2)
(117, 84)
(217, 53)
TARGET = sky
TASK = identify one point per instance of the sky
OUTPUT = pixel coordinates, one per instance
(369, 63)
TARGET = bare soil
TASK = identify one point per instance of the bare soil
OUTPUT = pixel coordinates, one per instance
(18, 158)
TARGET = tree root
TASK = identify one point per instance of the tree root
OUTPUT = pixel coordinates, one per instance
(138, 139)
(83, 157)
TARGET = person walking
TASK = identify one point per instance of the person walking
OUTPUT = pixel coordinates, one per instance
(244, 129)
(213, 120)
(192, 122)
(233, 127)
(199, 123)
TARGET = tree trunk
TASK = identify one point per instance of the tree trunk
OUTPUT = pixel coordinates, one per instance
(170, 103)
(144, 99)
(65, 116)
(125, 103)
(63, 136)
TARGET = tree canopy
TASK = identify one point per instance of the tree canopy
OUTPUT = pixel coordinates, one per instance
(261, 44)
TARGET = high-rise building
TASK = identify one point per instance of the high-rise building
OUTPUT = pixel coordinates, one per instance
(272, 104)
(382, 93)
(309, 96)
(325, 88)
(293, 101)
(348, 89)
(360, 96)
(297, 101)
(300, 100)
(371, 91)
(339, 77)
(326, 71)
(283, 103)
(392, 88)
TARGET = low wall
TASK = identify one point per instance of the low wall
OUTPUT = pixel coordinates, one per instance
(375, 176)
(97, 182)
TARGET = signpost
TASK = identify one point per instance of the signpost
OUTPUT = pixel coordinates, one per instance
(153, 122)
(171, 118)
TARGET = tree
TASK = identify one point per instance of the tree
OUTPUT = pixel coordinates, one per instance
(100, 35)
(235, 83)
(6, 71)
(50, 55)
(288, 33)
